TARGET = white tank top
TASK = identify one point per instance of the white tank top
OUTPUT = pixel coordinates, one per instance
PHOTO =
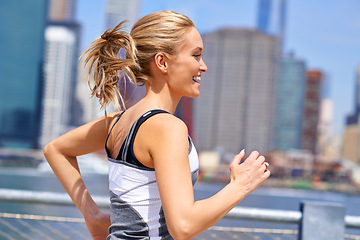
(136, 209)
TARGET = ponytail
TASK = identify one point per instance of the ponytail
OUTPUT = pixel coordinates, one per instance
(162, 31)
(108, 67)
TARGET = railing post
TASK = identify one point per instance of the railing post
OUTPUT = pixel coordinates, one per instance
(322, 220)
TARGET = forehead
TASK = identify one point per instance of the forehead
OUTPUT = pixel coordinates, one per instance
(192, 40)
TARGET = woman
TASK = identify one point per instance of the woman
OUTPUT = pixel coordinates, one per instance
(152, 161)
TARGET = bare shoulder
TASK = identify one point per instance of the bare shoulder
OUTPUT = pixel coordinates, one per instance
(111, 118)
(163, 130)
(165, 138)
(168, 124)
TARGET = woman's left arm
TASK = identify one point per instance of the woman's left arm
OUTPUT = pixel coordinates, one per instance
(61, 155)
(186, 217)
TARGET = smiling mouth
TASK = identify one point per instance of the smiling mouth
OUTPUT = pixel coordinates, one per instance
(196, 79)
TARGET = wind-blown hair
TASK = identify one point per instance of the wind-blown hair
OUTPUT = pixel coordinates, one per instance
(162, 31)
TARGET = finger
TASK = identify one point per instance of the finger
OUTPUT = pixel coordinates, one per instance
(267, 174)
(237, 159)
(263, 167)
(253, 156)
(260, 160)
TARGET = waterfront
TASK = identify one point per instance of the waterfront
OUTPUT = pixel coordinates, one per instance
(265, 197)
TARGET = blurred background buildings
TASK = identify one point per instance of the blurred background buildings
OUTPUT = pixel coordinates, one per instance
(254, 96)
(236, 108)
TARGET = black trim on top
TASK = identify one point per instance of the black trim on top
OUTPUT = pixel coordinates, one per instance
(107, 138)
(127, 146)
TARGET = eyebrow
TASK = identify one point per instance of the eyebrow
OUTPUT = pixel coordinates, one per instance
(198, 48)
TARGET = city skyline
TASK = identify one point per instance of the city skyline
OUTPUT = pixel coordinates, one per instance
(323, 33)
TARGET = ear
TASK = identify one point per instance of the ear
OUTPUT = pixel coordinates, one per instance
(161, 62)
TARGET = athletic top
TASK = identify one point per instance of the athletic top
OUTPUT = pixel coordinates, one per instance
(136, 210)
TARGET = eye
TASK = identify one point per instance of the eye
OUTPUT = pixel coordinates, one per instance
(197, 56)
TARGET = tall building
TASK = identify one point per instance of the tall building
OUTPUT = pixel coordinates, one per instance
(351, 140)
(22, 26)
(184, 112)
(117, 11)
(59, 79)
(60, 107)
(353, 118)
(271, 18)
(327, 148)
(313, 90)
(290, 103)
(357, 93)
(236, 106)
(62, 10)
(120, 10)
(90, 106)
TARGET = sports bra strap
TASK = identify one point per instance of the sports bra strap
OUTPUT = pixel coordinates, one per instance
(127, 147)
(107, 138)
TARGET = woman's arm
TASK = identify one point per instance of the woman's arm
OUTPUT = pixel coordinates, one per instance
(185, 217)
(61, 155)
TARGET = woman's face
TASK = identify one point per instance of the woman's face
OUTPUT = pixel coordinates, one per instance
(185, 69)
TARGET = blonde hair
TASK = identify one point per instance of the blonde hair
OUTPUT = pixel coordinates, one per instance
(161, 31)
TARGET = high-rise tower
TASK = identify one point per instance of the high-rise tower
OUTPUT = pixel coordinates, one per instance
(62, 10)
(351, 141)
(290, 103)
(314, 79)
(271, 18)
(59, 105)
(117, 11)
(60, 63)
(236, 106)
(22, 42)
(354, 117)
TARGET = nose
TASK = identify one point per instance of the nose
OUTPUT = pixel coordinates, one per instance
(203, 66)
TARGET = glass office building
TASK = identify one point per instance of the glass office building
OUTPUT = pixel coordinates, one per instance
(22, 24)
(290, 103)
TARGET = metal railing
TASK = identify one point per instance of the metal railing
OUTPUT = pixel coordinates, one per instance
(317, 220)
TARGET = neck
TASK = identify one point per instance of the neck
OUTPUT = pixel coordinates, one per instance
(160, 100)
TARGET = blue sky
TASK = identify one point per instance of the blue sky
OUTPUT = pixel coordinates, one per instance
(324, 33)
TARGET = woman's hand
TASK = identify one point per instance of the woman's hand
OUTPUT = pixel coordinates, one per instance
(61, 155)
(98, 225)
(250, 174)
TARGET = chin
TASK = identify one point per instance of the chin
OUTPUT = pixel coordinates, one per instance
(194, 95)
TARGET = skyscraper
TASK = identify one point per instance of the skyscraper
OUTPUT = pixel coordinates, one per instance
(62, 10)
(236, 106)
(357, 93)
(22, 26)
(184, 112)
(351, 141)
(290, 102)
(120, 10)
(117, 11)
(354, 117)
(311, 110)
(61, 55)
(59, 79)
(271, 18)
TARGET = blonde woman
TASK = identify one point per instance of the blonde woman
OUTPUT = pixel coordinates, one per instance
(153, 163)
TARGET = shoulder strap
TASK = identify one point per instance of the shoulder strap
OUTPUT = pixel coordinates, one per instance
(127, 147)
(117, 119)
